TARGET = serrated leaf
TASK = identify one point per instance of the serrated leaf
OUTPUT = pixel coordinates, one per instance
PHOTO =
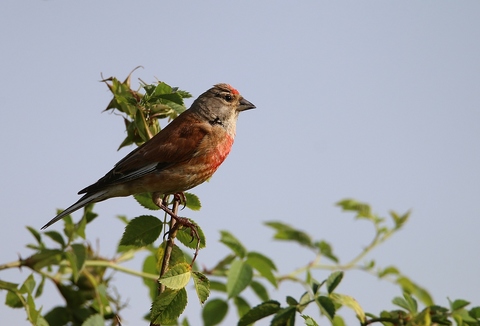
(390, 270)
(423, 318)
(168, 306)
(286, 232)
(326, 250)
(291, 301)
(409, 287)
(218, 286)
(35, 234)
(56, 236)
(150, 267)
(40, 287)
(14, 299)
(176, 256)
(263, 265)
(459, 304)
(202, 286)
(142, 231)
(338, 321)
(475, 312)
(242, 306)
(258, 312)
(349, 302)
(185, 236)
(193, 202)
(309, 321)
(94, 320)
(43, 258)
(145, 200)
(333, 280)
(326, 306)
(238, 277)
(363, 210)
(304, 301)
(233, 243)
(177, 276)
(214, 312)
(284, 317)
(76, 257)
(260, 290)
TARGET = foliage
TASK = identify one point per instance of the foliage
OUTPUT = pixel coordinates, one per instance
(83, 277)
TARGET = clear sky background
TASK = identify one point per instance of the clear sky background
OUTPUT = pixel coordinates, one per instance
(373, 100)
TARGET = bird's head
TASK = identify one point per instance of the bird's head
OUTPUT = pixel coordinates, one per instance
(221, 105)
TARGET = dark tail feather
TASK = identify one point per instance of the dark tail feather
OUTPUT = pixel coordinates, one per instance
(85, 200)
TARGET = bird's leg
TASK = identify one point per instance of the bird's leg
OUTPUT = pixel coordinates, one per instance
(159, 200)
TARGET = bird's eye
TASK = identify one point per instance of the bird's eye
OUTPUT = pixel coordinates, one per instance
(228, 98)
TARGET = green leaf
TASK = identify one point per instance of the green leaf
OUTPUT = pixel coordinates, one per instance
(363, 210)
(326, 306)
(291, 301)
(142, 231)
(150, 267)
(286, 232)
(177, 277)
(40, 287)
(238, 278)
(94, 320)
(35, 234)
(338, 321)
(168, 306)
(260, 290)
(193, 202)
(390, 270)
(304, 301)
(258, 312)
(28, 285)
(185, 236)
(309, 321)
(233, 243)
(284, 317)
(242, 305)
(326, 250)
(177, 256)
(218, 286)
(101, 302)
(202, 286)
(76, 257)
(409, 287)
(263, 265)
(57, 237)
(14, 299)
(458, 304)
(45, 257)
(349, 302)
(475, 312)
(145, 199)
(333, 280)
(214, 312)
(423, 318)
(399, 220)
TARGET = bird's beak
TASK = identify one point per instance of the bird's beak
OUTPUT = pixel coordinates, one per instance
(245, 105)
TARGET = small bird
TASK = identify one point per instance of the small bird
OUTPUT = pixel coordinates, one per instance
(184, 154)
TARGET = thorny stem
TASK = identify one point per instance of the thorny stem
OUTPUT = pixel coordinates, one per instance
(169, 247)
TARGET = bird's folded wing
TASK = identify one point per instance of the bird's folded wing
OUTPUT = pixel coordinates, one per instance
(162, 151)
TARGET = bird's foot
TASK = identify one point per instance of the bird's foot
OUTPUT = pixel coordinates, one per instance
(179, 221)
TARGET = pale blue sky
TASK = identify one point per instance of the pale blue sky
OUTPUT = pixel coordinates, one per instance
(379, 101)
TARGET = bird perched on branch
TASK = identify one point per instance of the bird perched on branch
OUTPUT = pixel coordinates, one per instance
(181, 156)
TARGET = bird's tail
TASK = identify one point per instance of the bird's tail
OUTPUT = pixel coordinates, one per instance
(85, 200)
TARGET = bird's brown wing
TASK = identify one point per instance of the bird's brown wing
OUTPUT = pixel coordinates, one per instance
(176, 143)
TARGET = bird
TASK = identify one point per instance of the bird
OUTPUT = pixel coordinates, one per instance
(184, 154)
